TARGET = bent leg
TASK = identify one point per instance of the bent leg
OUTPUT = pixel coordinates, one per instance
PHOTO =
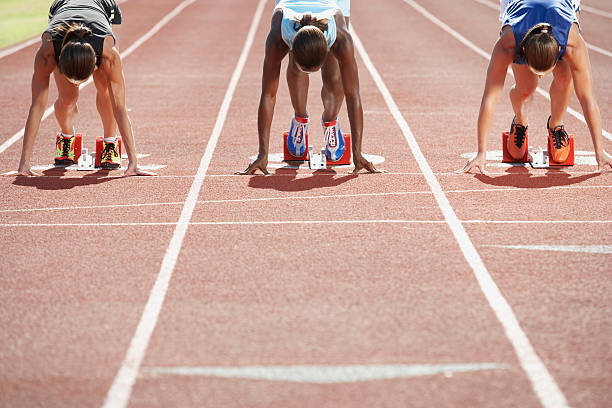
(298, 82)
(332, 93)
(66, 103)
(521, 93)
(560, 92)
(104, 105)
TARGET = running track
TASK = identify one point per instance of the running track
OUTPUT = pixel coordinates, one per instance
(418, 287)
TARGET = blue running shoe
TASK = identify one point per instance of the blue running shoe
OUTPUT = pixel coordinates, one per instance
(334, 142)
(296, 142)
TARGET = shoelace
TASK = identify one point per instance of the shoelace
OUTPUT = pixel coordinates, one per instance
(299, 134)
(330, 136)
(109, 151)
(520, 133)
(559, 136)
(65, 145)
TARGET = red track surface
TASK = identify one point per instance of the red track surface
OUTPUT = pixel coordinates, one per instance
(393, 289)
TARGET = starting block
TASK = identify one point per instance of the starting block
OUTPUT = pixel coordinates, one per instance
(538, 159)
(319, 161)
(86, 161)
(99, 144)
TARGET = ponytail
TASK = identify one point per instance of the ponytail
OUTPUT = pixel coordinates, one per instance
(77, 59)
(308, 20)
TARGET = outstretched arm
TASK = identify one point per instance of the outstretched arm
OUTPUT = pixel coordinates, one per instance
(501, 58)
(44, 64)
(344, 51)
(276, 50)
(111, 65)
(578, 59)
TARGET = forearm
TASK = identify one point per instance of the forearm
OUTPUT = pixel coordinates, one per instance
(31, 130)
(485, 118)
(592, 117)
(264, 122)
(127, 136)
(355, 113)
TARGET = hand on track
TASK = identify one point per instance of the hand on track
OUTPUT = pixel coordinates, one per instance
(477, 162)
(362, 163)
(22, 171)
(603, 162)
(135, 171)
(259, 164)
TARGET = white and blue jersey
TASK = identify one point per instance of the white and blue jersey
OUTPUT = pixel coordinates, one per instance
(294, 10)
(522, 15)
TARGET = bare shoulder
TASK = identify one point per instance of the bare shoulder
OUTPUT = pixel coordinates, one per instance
(45, 56)
(507, 40)
(576, 47)
(343, 37)
(110, 55)
(275, 38)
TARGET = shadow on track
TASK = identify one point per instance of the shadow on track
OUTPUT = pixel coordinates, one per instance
(521, 177)
(287, 180)
(53, 179)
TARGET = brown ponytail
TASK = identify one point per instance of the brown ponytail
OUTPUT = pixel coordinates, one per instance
(77, 59)
(540, 48)
(309, 44)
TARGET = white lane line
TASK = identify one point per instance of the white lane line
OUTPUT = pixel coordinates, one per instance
(596, 11)
(301, 222)
(120, 391)
(323, 374)
(543, 383)
(590, 249)
(124, 54)
(11, 50)
(484, 54)
(293, 198)
(592, 47)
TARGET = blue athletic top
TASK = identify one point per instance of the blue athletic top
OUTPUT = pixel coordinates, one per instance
(521, 15)
(294, 10)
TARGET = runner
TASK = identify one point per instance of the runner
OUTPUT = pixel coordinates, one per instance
(539, 37)
(315, 35)
(78, 43)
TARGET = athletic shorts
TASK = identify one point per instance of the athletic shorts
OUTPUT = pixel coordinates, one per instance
(345, 6)
(503, 5)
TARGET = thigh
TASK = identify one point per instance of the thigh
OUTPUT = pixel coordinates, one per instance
(330, 71)
(100, 81)
(526, 81)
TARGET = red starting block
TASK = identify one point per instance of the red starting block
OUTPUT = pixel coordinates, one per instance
(570, 157)
(99, 148)
(344, 160)
(78, 144)
(509, 159)
(287, 154)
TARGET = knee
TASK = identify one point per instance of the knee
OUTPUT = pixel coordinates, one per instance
(563, 77)
(66, 102)
(523, 92)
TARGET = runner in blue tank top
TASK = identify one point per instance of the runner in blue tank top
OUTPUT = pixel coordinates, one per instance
(80, 43)
(315, 35)
(539, 37)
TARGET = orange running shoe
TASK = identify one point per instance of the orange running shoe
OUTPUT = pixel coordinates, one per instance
(516, 141)
(559, 142)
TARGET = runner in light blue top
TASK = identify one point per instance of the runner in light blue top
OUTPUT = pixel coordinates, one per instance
(540, 37)
(314, 33)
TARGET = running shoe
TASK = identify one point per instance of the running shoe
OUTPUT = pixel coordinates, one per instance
(64, 150)
(109, 157)
(296, 141)
(516, 141)
(558, 140)
(334, 142)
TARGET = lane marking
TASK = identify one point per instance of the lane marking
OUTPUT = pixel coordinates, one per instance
(124, 54)
(121, 389)
(304, 222)
(324, 374)
(312, 197)
(595, 48)
(276, 160)
(596, 11)
(494, 158)
(543, 383)
(590, 249)
(487, 56)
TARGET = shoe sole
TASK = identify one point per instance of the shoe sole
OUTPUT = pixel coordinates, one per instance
(64, 162)
(110, 166)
